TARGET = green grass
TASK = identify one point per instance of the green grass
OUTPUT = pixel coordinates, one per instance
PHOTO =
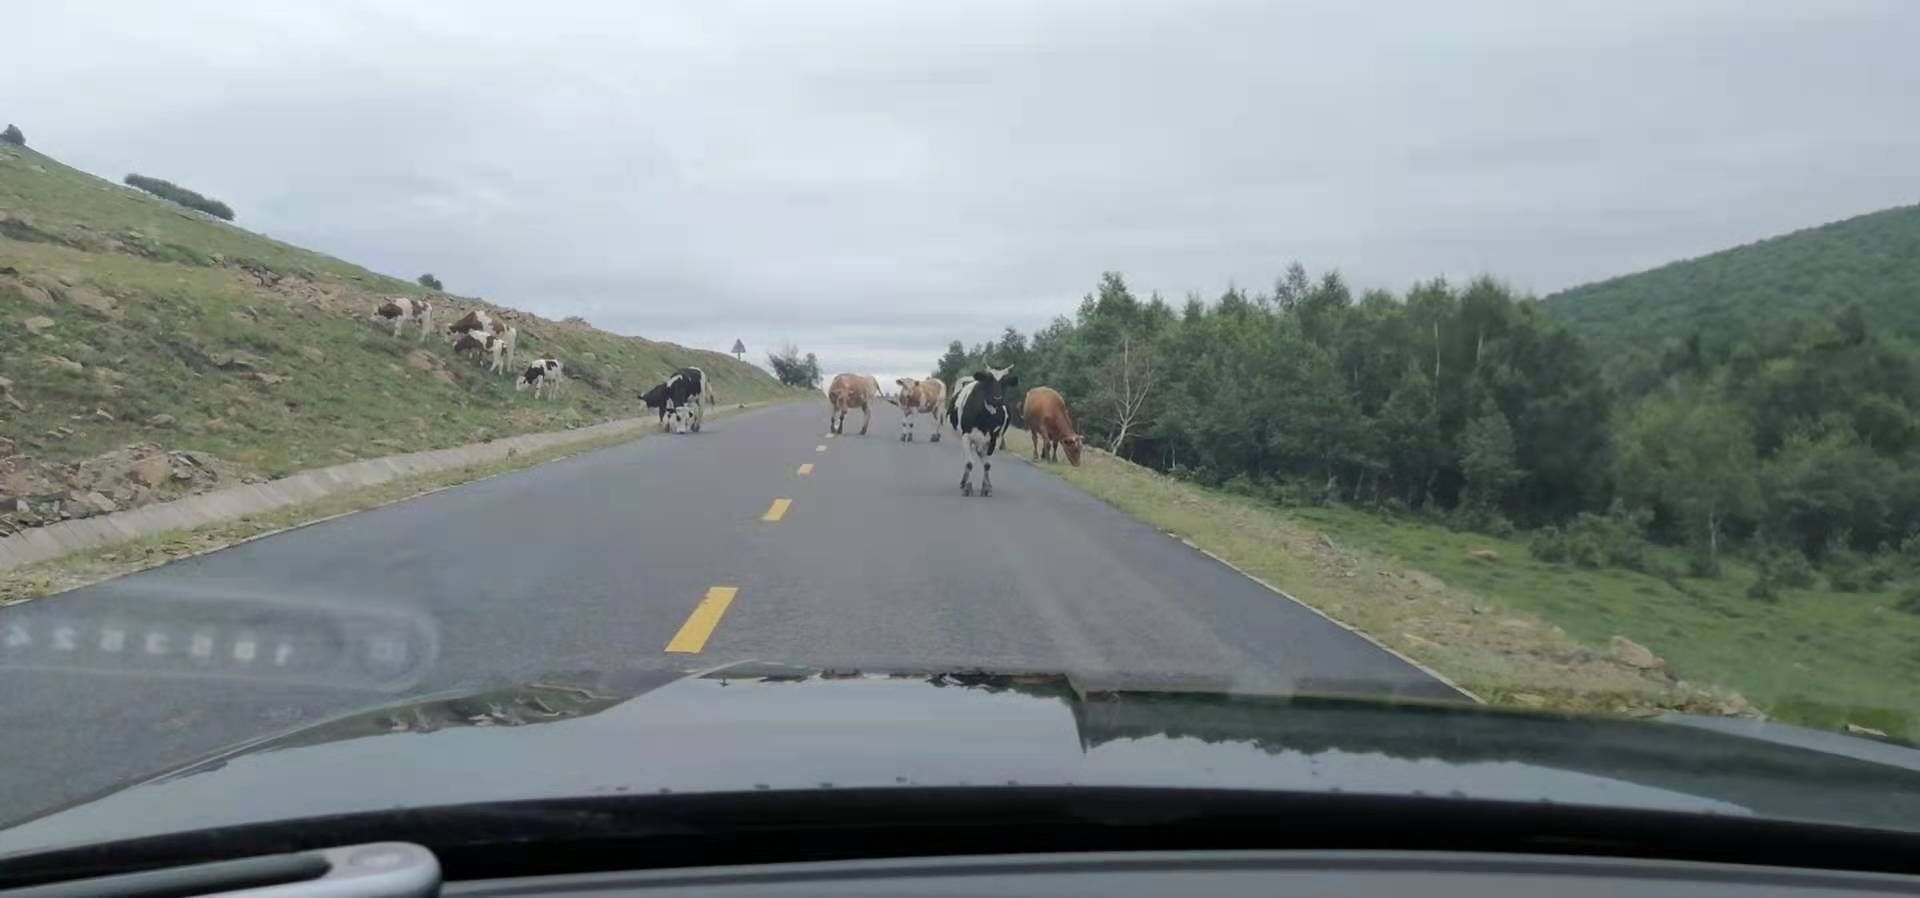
(1520, 627)
(1815, 656)
(151, 319)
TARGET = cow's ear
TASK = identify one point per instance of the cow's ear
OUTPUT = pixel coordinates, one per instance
(980, 376)
(1011, 380)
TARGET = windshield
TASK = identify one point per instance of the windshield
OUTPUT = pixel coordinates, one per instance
(358, 361)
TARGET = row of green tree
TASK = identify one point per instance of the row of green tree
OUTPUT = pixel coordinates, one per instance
(1467, 401)
(167, 190)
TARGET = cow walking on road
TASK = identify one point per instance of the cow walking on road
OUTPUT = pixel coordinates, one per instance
(927, 397)
(848, 392)
(1050, 426)
(978, 413)
(682, 400)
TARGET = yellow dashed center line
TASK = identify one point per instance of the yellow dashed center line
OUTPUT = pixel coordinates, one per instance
(820, 448)
(805, 469)
(693, 634)
(777, 510)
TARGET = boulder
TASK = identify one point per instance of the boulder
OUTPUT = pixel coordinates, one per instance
(160, 420)
(95, 502)
(312, 354)
(1483, 554)
(37, 324)
(150, 471)
(62, 363)
(1633, 654)
(422, 360)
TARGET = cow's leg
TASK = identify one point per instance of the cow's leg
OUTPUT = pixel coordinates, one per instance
(1034, 435)
(986, 467)
(966, 474)
(866, 418)
(699, 414)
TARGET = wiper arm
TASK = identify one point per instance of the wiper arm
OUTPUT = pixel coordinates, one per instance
(376, 870)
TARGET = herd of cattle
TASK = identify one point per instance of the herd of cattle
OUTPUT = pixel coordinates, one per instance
(975, 409)
(682, 396)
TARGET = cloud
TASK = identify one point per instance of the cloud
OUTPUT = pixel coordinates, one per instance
(871, 180)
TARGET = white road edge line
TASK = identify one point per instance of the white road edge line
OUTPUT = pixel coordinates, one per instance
(1443, 678)
(1335, 621)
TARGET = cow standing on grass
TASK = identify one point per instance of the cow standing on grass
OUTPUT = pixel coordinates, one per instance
(479, 320)
(1048, 423)
(848, 392)
(918, 397)
(978, 413)
(541, 374)
(682, 399)
(402, 310)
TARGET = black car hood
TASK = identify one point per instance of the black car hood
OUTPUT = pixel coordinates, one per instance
(746, 729)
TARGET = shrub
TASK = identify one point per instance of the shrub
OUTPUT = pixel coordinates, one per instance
(1909, 601)
(430, 282)
(13, 136)
(1595, 541)
(1850, 571)
(167, 190)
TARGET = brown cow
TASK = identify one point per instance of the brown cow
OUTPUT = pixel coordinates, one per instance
(1047, 420)
(848, 392)
(920, 396)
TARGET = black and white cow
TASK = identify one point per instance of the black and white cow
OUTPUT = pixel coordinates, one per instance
(978, 413)
(541, 374)
(684, 396)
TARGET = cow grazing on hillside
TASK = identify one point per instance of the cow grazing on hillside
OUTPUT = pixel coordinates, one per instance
(978, 413)
(541, 374)
(684, 396)
(480, 344)
(927, 397)
(1048, 423)
(479, 320)
(848, 392)
(402, 310)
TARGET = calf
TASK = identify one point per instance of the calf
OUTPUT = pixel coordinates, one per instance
(403, 310)
(927, 397)
(541, 374)
(684, 395)
(978, 413)
(848, 392)
(1048, 422)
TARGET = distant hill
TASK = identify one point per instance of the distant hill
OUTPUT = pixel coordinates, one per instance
(128, 321)
(1872, 260)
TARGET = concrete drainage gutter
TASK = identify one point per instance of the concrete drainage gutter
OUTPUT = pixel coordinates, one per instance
(54, 540)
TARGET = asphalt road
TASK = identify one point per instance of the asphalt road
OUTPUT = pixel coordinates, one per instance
(605, 561)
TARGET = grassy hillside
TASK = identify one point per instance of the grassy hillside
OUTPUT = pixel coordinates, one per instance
(125, 319)
(1872, 260)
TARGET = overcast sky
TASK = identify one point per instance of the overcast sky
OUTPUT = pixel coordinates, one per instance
(870, 180)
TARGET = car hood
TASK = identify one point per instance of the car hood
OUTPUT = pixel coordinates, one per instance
(752, 728)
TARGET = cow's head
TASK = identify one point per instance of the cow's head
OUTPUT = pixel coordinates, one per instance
(992, 384)
(1073, 444)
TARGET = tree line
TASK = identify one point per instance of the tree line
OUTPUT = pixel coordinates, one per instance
(1468, 403)
(167, 190)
